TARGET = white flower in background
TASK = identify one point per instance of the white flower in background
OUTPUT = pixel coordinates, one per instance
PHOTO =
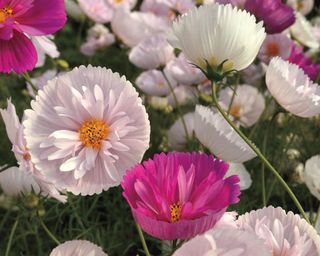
(247, 105)
(241, 171)
(226, 34)
(15, 182)
(98, 37)
(177, 134)
(284, 233)
(126, 4)
(297, 93)
(185, 94)
(219, 137)
(152, 53)
(302, 6)
(133, 27)
(184, 72)
(302, 31)
(45, 46)
(316, 29)
(29, 174)
(228, 220)
(160, 103)
(224, 242)
(74, 10)
(312, 175)
(157, 7)
(253, 74)
(181, 6)
(97, 10)
(153, 83)
(87, 127)
(275, 45)
(41, 81)
(237, 3)
(77, 248)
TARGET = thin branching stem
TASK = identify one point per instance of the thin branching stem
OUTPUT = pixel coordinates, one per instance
(13, 230)
(143, 241)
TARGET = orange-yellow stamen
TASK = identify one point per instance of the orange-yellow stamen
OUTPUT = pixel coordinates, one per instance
(118, 1)
(273, 49)
(235, 111)
(93, 132)
(5, 13)
(175, 211)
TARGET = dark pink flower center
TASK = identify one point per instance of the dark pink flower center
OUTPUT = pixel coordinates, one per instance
(5, 13)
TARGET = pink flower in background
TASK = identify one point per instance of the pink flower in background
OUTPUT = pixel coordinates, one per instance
(97, 10)
(238, 3)
(78, 248)
(20, 19)
(179, 195)
(276, 15)
(298, 57)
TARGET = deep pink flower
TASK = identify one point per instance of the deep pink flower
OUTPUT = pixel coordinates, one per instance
(179, 195)
(298, 57)
(276, 15)
(20, 19)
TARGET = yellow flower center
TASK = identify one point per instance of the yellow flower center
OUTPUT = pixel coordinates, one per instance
(93, 132)
(175, 211)
(235, 111)
(273, 49)
(300, 5)
(118, 1)
(5, 12)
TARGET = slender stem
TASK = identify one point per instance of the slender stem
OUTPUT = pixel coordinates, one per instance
(49, 232)
(232, 98)
(75, 212)
(143, 241)
(317, 218)
(259, 154)
(28, 79)
(263, 175)
(13, 230)
(177, 105)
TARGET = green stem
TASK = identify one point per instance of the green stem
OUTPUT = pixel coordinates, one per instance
(143, 241)
(177, 105)
(232, 98)
(49, 232)
(13, 230)
(28, 79)
(259, 154)
(317, 218)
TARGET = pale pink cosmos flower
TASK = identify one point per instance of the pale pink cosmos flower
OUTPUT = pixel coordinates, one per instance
(312, 175)
(179, 195)
(275, 45)
(184, 72)
(237, 3)
(40, 81)
(154, 83)
(253, 74)
(247, 105)
(87, 127)
(157, 7)
(45, 46)
(284, 233)
(185, 94)
(302, 6)
(98, 37)
(77, 248)
(152, 53)
(224, 242)
(31, 174)
(126, 4)
(133, 27)
(97, 10)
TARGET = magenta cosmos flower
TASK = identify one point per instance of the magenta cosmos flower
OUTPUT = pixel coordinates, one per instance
(20, 19)
(276, 15)
(179, 195)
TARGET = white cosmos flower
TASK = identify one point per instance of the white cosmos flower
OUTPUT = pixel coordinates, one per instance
(241, 171)
(284, 233)
(153, 83)
(87, 127)
(247, 105)
(303, 32)
(151, 53)
(177, 134)
(77, 248)
(184, 94)
(133, 27)
(216, 33)
(45, 46)
(292, 88)
(15, 182)
(224, 242)
(302, 6)
(98, 10)
(219, 137)
(312, 175)
(40, 81)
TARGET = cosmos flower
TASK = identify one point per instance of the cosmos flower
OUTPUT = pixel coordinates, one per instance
(241, 171)
(237, 3)
(297, 93)
(45, 46)
(177, 134)
(98, 37)
(40, 81)
(20, 19)
(247, 105)
(284, 233)
(302, 6)
(87, 127)
(299, 58)
(77, 248)
(224, 242)
(179, 195)
(276, 15)
(238, 33)
(253, 74)
(213, 131)
(152, 53)
(29, 176)
(312, 174)
(185, 94)
(275, 45)
(97, 10)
